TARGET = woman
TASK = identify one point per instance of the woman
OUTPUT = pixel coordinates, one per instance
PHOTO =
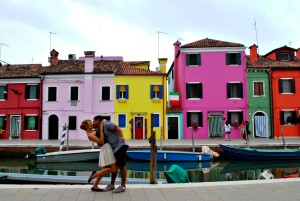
(227, 129)
(106, 158)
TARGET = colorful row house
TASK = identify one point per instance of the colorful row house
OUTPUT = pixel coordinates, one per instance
(209, 79)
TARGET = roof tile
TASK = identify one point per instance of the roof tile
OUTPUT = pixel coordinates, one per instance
(207, 42)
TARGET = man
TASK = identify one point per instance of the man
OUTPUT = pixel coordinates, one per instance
(114, 136)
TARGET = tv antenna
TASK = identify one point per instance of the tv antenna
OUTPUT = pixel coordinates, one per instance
(159, 32)
(50, 39)
(2, 44)
(256, 35)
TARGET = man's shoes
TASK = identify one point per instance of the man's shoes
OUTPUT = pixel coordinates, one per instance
(109, 187)
(120, 189)
(97, 189)
(90, 178)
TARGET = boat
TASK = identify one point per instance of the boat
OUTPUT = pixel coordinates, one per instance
(83, 155)
(238, 153)
(167, 155)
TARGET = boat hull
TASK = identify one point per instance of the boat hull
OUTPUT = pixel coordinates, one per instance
(83, 155)
(237, 153)
(144, 155)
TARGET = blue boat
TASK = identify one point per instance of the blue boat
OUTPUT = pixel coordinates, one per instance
(166, 155)
(238, 153)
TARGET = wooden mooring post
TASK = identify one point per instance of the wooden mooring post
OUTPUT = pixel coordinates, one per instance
(153, 158)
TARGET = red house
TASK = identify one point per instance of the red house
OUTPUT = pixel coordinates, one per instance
(20, 101)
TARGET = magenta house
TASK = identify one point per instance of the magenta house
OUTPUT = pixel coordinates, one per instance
(210, 77)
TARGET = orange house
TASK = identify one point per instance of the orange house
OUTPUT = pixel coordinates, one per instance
(285, 90)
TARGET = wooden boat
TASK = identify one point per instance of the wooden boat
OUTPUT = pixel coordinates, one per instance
(82, 155)
(166, 155)
(237, 153)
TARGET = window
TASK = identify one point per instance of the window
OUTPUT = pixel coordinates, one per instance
(106, 117)
(32, 91)
(105, 95)
(287, 85)
(156, 91)
(288, 117)
(2, 122)
(3, 92)
(122, 120)
(234, 90)
(155, 120)
(74, 94)
(122, 92)
(193, 59)
(30, 122)
(233, 59)
(72, 122)
(51, 93)
(235, 116)
(194, 116)
(193, 90)
(285, 56)
(259, 88)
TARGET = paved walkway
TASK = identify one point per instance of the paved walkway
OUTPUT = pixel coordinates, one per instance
(275, 190)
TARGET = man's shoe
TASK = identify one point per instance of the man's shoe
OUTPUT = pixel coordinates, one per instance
(120, 189)
(109, 187)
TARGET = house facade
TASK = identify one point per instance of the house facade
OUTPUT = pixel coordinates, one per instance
(20, 101)
(210, 77)
(75, 90)
(140, 100)
(259, 95)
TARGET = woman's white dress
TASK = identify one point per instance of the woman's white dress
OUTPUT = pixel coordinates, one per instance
(106, 156)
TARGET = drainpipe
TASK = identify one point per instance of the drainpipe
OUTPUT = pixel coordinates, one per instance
(269, 73)
(41, 109)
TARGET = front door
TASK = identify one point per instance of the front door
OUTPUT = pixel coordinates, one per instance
(15, 126)
(215, 125)
(53, 127)
(260, 125)
(139, 125)
(173, 128)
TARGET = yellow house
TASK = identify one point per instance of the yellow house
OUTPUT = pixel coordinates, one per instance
(140, 98)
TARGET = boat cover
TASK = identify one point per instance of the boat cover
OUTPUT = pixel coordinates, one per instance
(177, 174)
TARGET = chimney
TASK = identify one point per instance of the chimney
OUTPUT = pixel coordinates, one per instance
(89, 61)
(53, 57)
(177, 47)
(253, 52)
(298, 53)
(162, 64)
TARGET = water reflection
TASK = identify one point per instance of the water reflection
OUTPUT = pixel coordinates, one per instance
(212, 171)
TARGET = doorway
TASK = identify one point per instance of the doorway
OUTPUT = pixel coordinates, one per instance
(53, 127)
(215, 125)
(173, 128)
(15, 126)
(260, 125)
(138, 127)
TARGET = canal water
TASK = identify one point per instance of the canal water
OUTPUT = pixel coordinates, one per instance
(212, 171)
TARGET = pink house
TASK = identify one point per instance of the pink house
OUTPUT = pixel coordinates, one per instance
(210, 77)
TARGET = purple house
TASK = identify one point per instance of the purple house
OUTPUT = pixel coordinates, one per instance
(210, 77)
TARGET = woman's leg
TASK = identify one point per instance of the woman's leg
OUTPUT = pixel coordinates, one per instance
(106, 170)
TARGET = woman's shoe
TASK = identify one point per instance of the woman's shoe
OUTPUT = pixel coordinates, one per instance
(97, 189)
(90, 178)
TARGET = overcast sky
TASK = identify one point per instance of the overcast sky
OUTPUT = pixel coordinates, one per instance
(129, 28)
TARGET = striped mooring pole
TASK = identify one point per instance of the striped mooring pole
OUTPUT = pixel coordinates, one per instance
(64, 132)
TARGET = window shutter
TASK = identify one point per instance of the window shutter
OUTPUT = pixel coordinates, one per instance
(26, 92)
(187, 91)
(281, 118)
(261, 88)
(238, 58)
(187, 59)
(227, 59)
(199, 59)
(294, 117)
(160, 91)
(277, 56)
(241, 118)
(37, 91)
(155, 120)
(200, 90)
(127, 92)
(292, 56)
(5, 94)
(229, 116)
(122, 121)
(200, 119)
(188, 120)
(25, 122)
(118, 92)
(280, 86)
(36, 123)
(293, 86)
(240, 90)
(228, 90)
(151, 92)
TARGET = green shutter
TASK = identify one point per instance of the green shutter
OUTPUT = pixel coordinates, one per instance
(227, 59)
(127, 92)
(293, 89)
(200, 120)
(280, 87)
(198, 59)
(281, 118)
(228, 91)
(188, 120)
(187, 59)
(200, 90)
(238, 57)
